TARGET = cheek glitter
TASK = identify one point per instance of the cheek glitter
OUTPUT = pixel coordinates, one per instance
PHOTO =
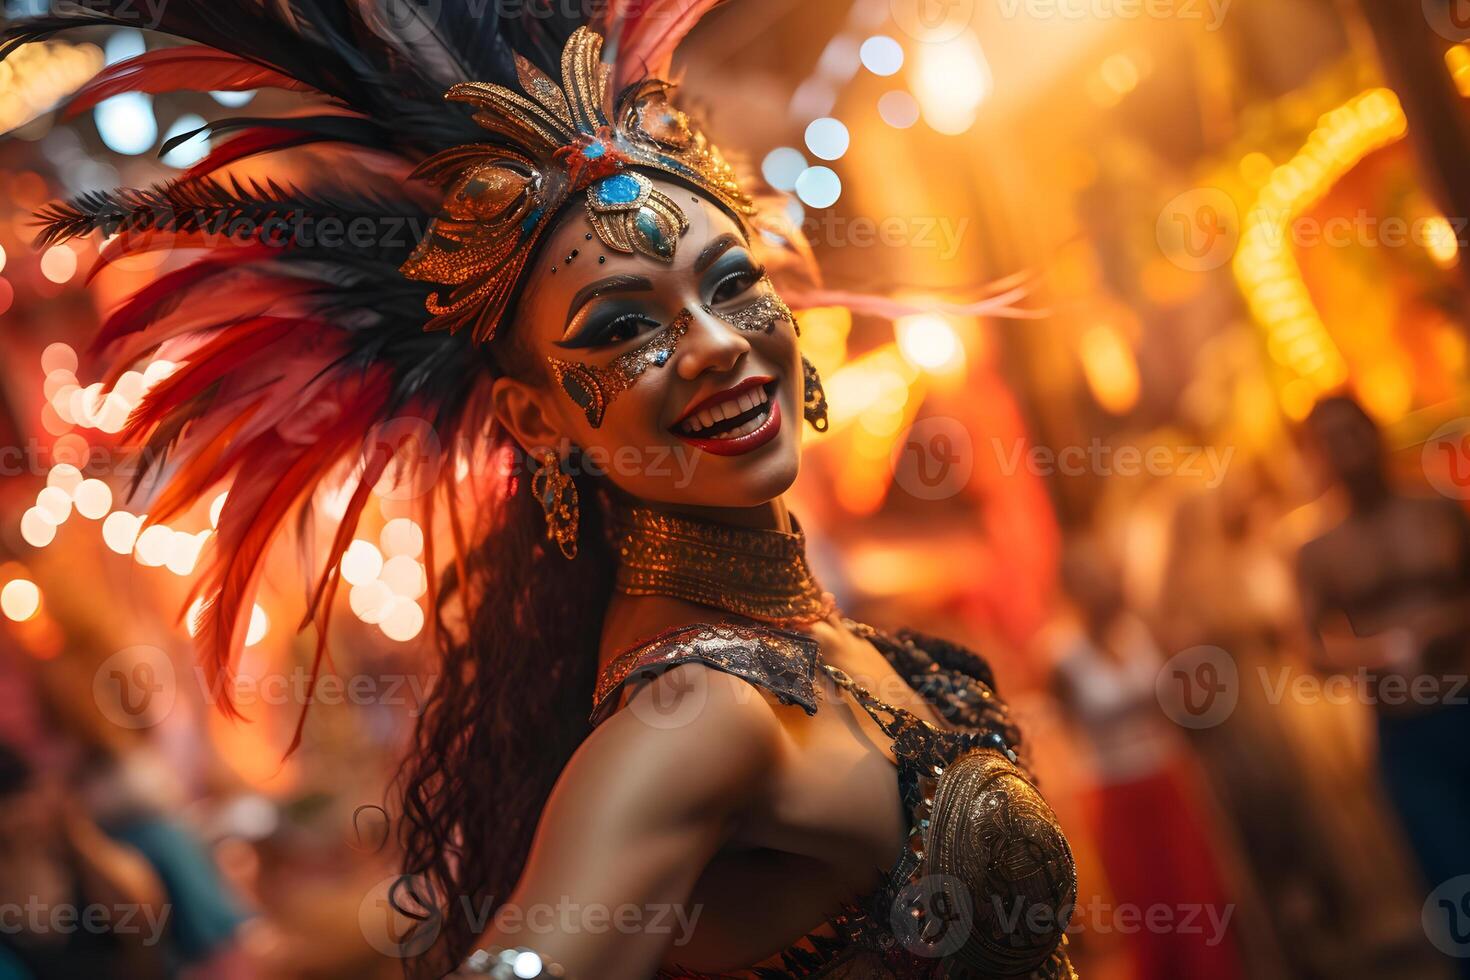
(592, 388)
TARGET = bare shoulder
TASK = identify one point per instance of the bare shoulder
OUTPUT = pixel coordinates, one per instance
(692, 738)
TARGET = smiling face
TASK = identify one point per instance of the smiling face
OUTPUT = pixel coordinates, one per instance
(680, 380)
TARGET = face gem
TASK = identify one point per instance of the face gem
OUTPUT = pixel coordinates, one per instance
(650, 225)
(618, 190)
(653, 232)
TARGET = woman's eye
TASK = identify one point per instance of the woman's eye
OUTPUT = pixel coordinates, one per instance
(734, 285)
(626, 327)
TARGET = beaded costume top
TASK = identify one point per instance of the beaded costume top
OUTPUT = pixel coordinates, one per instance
(981, 845)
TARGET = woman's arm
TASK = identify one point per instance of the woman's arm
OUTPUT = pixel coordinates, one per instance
(641, 808)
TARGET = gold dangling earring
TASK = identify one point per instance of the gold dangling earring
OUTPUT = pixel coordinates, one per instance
(557, 493)
(814, 407)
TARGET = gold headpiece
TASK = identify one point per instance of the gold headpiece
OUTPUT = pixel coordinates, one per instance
(554, 142)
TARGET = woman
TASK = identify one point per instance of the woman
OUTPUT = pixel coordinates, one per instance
(805, 795)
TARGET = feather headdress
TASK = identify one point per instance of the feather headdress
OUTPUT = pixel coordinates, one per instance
(301, 347)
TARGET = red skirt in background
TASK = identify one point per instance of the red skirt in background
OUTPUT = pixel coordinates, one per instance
(1159, 855)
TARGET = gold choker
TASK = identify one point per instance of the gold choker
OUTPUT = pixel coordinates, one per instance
(758, 574)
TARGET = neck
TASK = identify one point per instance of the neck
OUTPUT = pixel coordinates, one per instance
(746, 561)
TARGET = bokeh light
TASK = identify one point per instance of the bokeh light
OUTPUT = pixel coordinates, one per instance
(882, 55)
(818, 187)
(827, 138)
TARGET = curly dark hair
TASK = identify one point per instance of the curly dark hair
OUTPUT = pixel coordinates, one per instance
(510, 706)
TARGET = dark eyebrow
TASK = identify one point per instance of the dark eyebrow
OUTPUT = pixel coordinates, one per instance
(612, 284)
(715, 249)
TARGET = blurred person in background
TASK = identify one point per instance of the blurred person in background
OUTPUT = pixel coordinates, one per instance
(130, 793)
(73, 903)
(133, 790)
(1386, 596)
(1157, 848)
(1225, 612)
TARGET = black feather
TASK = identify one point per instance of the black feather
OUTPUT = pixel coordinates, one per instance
(239, 210)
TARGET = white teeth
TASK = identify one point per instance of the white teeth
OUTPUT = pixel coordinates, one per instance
(727, 410)
(742, 430)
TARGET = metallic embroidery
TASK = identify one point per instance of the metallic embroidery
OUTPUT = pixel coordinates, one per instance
(758, 574)
(974, 816)
(592, 388)
(781, 662)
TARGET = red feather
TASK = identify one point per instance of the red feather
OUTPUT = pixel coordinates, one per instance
(261, 498)
(147, 304)
(648, 32)
(249, 143)
(194, 67)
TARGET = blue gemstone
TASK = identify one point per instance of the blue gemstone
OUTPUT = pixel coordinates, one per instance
(618, 189)
(593, 150)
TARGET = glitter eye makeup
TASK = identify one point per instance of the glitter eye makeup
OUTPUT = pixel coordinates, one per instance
(760, 316)
(592, 388)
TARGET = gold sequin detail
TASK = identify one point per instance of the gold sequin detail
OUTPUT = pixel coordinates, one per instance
(781, 662)
(760, 316)
(758, 574)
